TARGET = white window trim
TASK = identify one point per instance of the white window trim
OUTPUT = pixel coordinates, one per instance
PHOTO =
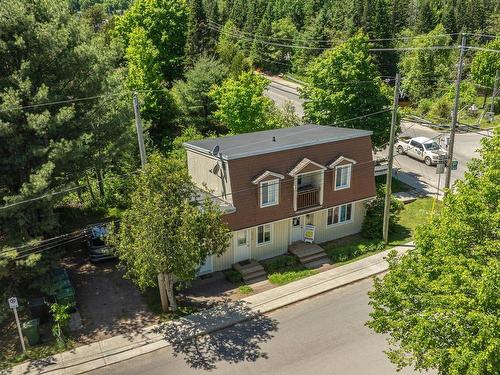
(277, 182)
(343, 222)
(271, 235)
(348, 177)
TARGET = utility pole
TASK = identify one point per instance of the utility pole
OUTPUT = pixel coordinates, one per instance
(454, 117)
(493, 95)
(387, 207)
(138, 126)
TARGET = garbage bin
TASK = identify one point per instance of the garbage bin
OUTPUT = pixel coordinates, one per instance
(66, 296)
(39, 309)
(31, 332)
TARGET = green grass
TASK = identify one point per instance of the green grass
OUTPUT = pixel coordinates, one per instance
(245, 289)
(34, 352)
(356, 247)
(396, 187)
(282, 278)
(285, 269)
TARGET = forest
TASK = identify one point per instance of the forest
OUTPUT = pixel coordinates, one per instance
(69, 70)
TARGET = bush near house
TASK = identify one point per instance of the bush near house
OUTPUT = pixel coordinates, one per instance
(372, 225)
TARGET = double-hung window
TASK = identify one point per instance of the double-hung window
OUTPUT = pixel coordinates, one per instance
(264, 234)
(343, 176)
(269, 193)
(339, 214)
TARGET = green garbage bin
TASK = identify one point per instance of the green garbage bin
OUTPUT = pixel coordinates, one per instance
(66, 296)
(31, 331)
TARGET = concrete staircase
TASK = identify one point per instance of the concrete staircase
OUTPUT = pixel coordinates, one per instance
(310, 255)
(251, 271)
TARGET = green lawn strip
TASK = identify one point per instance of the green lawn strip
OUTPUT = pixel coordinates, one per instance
(285, 269)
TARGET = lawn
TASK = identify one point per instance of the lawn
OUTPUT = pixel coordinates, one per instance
(285, 269)
(355, 247)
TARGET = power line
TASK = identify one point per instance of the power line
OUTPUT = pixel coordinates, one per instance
(483, 49)
(61, 191)
(220, 27)
(325, 48)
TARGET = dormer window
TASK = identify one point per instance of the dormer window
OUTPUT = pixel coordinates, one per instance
(343, 176)
(342, 172)
(269, 193)
(269, 188)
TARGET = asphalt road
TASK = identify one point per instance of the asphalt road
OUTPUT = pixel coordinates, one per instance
(322, 335)
(412, 171)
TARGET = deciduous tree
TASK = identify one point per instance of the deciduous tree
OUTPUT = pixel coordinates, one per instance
(241, 105)
(166, 231)
(439, 302)
(343, 84)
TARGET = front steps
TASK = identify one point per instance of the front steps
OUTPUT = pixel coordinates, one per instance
(251, 271)
(310, 255)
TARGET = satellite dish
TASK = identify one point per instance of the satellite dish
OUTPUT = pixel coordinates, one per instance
(215, 150)
(216, 169)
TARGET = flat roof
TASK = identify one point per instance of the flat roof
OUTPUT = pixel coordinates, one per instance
(268, 141)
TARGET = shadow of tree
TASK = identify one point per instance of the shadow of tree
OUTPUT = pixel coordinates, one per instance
(235, 343)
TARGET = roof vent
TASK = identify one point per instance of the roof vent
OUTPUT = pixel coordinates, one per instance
(274, 139)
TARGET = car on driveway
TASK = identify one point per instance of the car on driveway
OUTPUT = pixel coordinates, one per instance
(96, 245)
(421, 148)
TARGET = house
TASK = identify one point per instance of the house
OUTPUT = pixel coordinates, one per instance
(273, 184)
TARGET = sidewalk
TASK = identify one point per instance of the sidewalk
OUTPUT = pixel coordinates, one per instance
(120, 348)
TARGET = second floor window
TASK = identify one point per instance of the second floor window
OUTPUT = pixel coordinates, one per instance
(343, 176)
(269, 193)
(339, 214)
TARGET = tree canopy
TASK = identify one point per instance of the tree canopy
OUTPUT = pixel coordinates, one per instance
(54, 58)
(343, 83)
(165, 231)
(241, 105)
(439, 302)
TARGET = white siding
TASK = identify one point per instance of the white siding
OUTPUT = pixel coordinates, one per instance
(324, 233)
(281, 236)
(200, 167)
(278, 245)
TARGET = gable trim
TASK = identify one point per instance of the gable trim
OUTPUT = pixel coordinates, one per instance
(266, 174)
(302, 164)
(341, 160)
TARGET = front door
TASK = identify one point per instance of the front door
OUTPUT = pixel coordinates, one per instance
(242, 246)
(297, 224)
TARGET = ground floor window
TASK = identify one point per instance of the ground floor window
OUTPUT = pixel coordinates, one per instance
(339, 214)
(264, 234)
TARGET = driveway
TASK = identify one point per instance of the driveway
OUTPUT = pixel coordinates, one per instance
(108, 304)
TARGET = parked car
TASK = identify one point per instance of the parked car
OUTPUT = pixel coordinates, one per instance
(96, 245)
(421, 148)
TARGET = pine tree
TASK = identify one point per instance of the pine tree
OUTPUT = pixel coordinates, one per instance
(425, 18)
(196, 40)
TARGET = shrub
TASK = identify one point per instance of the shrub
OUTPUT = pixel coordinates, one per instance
(372, 225)
(245, 289)
(281, 264)
(61, 317)
(234, 276)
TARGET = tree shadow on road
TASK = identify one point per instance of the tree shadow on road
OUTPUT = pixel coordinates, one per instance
(236, 343)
